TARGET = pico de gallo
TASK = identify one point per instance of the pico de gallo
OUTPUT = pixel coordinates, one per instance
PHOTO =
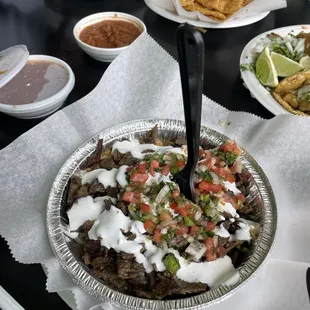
(166, 213)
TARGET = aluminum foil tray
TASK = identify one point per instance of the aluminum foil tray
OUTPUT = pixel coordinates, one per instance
(67, 250)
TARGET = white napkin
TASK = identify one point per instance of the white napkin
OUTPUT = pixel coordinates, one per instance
(143, 82)
(255, 7)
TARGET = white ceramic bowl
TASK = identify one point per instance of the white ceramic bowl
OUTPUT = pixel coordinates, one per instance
(98, 53)
(47, 106)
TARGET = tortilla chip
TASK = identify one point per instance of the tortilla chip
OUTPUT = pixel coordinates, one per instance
(287, 106)
(210, 13)
(186, 2)
(188, 5)
(224, 6)
(292, 82)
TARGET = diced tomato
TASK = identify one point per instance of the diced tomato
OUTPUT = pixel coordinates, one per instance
(142, 168)
(197, 192)
(153, 165)
(230, 199)
(149, 226)
(138, 178)
(129, 169)
(165, 170)
(230, 178)
(201, 152)
(210, 226)
(175, 193)
(217, 160)
(173, 205)
(223, 173)
(189, 210)
(181, 210)
(240, 197)
(182, 230)
(209, 187)
(208, 159)
(137, 198)
(211, 250)
(180, 163)
(165, 216)
(221, 251)
(157, 236)
(194, 230)
(128, 196)
(230, 146)
(145, 208)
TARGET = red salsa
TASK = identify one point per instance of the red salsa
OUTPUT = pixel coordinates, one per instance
(110, 34)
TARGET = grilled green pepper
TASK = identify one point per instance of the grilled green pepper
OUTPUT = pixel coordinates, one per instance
(171, 263)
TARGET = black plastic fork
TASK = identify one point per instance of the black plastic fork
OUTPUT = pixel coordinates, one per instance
(190, 47)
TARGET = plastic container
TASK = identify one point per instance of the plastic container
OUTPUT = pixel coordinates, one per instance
(99, 53)
(40, 108)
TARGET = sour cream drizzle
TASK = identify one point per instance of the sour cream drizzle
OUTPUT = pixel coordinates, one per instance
(108, 228)
(242, 234)
(85, 209)
(210, 273)
(232, 187)
(136, 149)
(221, 231)
(105, 177)
(227, 207)
(121, 176)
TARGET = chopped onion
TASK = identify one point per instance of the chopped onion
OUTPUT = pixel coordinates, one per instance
(290, 48)
(170, 223)
(162, 194)
(215, 177)
(238, 165)
(190, 239)
(216, 241)
(197, 215)
(300, 46)
(167, 158)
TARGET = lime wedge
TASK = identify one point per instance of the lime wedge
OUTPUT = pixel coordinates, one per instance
(305, 62)
(285, 66)
(265, 70)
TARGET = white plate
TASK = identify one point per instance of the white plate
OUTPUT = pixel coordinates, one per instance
(258, 91)
(229, 24)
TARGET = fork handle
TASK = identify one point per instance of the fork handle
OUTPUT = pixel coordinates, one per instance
(190, 47)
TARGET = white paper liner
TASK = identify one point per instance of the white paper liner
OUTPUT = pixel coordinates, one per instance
(143, 82)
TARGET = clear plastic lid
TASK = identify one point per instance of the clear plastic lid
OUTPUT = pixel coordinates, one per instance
(12, 60)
